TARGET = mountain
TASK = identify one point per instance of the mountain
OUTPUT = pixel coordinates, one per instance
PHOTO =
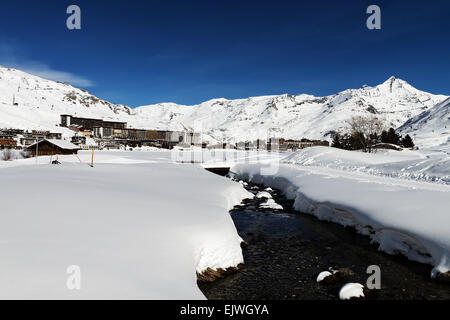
(294, 116)
(431, 127)
(39, 103)
(30, 102)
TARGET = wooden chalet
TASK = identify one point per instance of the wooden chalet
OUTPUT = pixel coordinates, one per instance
(48, 147)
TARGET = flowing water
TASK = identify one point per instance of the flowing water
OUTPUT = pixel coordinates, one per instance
(287, 250)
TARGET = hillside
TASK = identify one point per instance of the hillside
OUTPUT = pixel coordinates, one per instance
(431, 127)
(39, 102)
(295, 116)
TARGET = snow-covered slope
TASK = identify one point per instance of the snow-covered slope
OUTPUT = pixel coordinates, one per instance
(296, 116)
(40, 102)
(431, 127)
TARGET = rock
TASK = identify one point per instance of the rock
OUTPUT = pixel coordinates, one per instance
(346, 272)
(211, 275)
(443, 277)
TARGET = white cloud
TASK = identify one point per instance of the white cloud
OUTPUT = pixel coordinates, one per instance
(10, 58)
(46, 72)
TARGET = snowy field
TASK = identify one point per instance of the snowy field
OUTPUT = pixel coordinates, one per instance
(141, 224)
(137, 225)
(432, 165)
(400, 199)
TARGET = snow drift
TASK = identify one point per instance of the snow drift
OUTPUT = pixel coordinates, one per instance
(137, 225)
(402, 216)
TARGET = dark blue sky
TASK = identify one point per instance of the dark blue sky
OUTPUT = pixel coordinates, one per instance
(143, 52)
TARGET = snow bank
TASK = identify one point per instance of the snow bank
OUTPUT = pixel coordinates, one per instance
(137, 229)
(406, 217)
(421, 165)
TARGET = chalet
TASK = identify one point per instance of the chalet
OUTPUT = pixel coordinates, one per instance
(7, 143)
(48, 147)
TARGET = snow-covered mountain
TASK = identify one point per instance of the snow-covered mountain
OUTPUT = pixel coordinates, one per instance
(39, 103)
(30, 102)
(431, 127)
(295, 116)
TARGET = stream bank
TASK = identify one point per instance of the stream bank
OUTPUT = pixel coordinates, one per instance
(287, 250)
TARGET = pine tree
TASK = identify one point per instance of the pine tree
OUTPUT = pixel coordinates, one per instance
(390, 136)
(384, 137)
(336, 141)
(407, 142)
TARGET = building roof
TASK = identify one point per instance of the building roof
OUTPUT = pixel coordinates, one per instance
(63, 144)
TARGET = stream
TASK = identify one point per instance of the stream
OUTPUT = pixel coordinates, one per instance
(287, 250)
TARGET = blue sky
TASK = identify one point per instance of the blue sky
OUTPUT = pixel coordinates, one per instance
(143, 52)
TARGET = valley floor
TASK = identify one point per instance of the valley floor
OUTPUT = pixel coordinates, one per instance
(141, 224)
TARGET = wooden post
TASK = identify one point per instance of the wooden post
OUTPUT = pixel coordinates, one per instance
(92, 159)
(37, 149)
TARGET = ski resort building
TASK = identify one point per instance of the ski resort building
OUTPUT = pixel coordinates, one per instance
(115, 134)
(89, 123)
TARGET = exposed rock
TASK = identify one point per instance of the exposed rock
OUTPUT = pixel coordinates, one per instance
(443, 277)
(211, 275)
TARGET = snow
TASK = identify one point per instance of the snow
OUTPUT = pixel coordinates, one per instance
(271, 204)
(431, 127)
(263, 194)
(421, 165)
(323, 275)
(64, 144)
(11, 154)
(351, 290)
(41, 102)
(404, 216)
(138, 225)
